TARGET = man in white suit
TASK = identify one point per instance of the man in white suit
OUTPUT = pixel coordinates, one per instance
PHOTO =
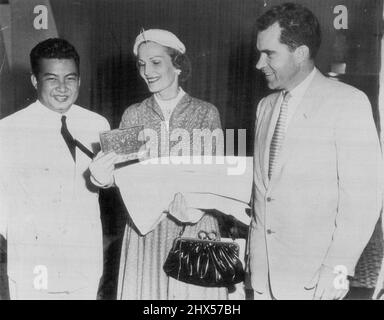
(316, 191)
(49, 212)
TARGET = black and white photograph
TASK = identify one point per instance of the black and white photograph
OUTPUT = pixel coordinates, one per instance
(191, 150)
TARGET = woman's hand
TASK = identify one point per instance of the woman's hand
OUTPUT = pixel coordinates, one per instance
(102, 167)
(178, 209)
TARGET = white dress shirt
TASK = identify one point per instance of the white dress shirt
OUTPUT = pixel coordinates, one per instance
(297, 95)
(50, 214)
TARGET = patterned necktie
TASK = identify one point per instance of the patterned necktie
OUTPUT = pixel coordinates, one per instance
(279, 134)
(68, 137)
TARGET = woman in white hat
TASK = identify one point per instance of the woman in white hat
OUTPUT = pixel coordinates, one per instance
(162, 63)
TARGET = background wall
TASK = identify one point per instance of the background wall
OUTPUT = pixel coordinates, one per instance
(219, 37)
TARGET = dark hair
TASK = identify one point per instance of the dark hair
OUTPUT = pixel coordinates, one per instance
(181, 62)
(299, 26)
(53, 48)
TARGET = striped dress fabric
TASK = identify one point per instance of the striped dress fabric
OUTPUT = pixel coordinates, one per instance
(279, 134)
(141, 274)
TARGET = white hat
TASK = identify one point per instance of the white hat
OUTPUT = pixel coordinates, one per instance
(163, 37)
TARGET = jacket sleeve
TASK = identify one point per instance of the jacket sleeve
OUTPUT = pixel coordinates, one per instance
(359, 172)
(214, 119)
(129, 117)
(4, 210)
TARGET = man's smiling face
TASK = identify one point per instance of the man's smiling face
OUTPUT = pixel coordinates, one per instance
(57, 83)
(277, 61)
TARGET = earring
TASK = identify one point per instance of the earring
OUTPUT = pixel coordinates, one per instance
(178, 72)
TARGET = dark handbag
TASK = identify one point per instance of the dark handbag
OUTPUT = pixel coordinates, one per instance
(208, 263)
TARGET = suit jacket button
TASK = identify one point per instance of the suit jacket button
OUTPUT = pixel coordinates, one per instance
(269, 199)
(269, 231)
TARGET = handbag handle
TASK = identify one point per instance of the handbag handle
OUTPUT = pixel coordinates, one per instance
(217, 236)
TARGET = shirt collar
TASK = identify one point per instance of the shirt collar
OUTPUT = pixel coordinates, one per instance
(50, 113)
(299, 91)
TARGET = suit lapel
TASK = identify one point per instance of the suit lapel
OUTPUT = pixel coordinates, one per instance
(310, 103)
(269, 121)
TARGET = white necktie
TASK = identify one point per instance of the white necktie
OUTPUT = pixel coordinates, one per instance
(279, 134)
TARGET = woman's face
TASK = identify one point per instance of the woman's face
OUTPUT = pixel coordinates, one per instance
(157, 70)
